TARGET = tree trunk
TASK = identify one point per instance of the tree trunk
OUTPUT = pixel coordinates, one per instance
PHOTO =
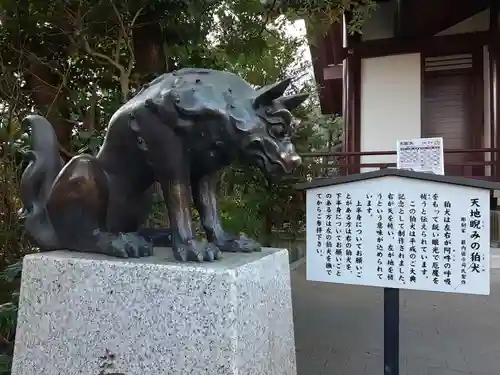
(148, 47)
(267, 237)
(125, 87)
(49, 98)
(44, 87)
(149, 55)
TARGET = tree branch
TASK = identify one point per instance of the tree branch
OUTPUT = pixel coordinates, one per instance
(102, 56)
(118, 47)
(267, 17)
(127, 34)
(136, 16)
(129, 44)
(60, 88)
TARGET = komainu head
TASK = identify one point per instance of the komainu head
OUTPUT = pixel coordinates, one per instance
(267, 144)
(257, 123)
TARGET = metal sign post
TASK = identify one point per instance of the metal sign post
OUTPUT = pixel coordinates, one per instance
(391, 331)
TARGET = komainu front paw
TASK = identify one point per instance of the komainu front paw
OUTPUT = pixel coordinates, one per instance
(131, 245)
(197, 251)
(239, 244)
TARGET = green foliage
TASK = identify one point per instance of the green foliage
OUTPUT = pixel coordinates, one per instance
(8, 318)
(319, 14)
(13, 243)
(158, 216)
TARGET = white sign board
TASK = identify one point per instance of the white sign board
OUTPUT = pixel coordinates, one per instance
(400, 233)
(421, 155)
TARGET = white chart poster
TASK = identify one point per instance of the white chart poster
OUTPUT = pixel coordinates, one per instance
(421, 155)
(400, 233)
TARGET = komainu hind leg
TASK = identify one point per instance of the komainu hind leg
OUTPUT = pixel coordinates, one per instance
(123, 245)
(77, 209)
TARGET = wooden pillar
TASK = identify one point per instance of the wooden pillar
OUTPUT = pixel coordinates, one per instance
(352, 97)
(494, 86)
(346, 141)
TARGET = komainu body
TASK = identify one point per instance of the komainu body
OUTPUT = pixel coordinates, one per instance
(179, 130)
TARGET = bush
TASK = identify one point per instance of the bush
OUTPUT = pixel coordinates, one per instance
(13, 242)
(13, 246)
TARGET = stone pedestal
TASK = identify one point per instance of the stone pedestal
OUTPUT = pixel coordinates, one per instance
(95, 315)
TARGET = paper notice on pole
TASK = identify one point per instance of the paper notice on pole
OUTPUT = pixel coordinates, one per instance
(421, 155)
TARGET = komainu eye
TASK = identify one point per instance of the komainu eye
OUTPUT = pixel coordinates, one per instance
(141, 143)
(278, 131)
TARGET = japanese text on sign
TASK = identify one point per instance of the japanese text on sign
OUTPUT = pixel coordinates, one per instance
(421, 155)
(420, 237)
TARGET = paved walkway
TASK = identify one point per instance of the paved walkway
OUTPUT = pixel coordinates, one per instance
(338, 329)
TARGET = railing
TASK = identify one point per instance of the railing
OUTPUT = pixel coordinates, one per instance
(483, 163)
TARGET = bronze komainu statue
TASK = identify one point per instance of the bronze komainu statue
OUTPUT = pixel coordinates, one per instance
(179, 130)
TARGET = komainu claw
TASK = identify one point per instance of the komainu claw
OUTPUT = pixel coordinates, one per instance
(198, 251)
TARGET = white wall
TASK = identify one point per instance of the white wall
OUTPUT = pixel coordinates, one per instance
(390, 103)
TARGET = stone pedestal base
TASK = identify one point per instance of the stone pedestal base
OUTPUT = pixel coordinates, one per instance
(94, 315)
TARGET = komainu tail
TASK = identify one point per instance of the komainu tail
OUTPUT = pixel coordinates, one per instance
(37, 180)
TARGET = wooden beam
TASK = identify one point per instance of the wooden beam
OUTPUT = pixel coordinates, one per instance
(429, 17)
(494, 86)
(332, 72)
(439, 44)
(494, 11)
(324, 50)
(352, 98)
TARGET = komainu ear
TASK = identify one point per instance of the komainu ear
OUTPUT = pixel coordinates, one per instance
(267, 94)
(293, 101)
